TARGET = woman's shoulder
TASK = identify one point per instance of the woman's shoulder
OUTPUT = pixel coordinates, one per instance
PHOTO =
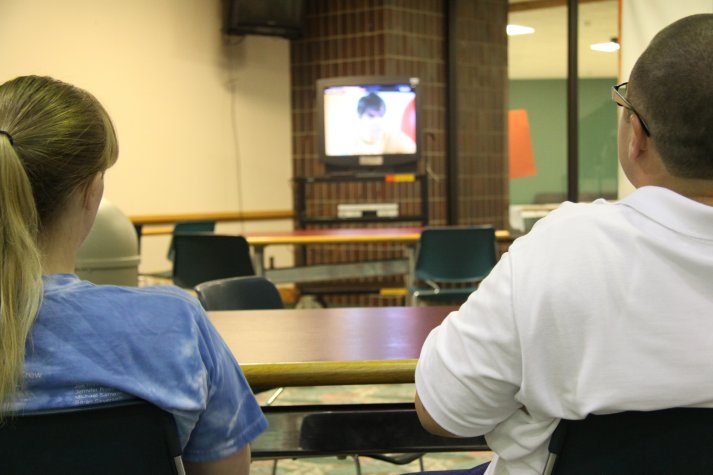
(67, 284)
(158, 303)
(169, 293)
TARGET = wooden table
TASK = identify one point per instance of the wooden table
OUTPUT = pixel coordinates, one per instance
(259, 241)
(154, 221)
(328, 346)
(408, 236)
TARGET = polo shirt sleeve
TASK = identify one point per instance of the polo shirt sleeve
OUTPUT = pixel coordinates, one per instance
(469, 370)
(232, 417)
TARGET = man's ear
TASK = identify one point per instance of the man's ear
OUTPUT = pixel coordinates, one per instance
(638, 140)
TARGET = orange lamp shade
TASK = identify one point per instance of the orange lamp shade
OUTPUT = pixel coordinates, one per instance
(522, 158)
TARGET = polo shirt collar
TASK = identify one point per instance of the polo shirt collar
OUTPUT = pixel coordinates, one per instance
(673, 211)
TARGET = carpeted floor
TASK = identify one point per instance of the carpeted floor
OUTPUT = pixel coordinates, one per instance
(336, 466)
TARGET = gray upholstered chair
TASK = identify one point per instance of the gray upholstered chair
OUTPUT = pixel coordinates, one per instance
(239, 293)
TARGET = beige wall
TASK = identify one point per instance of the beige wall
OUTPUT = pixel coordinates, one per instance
(203, 121)
(641, 20)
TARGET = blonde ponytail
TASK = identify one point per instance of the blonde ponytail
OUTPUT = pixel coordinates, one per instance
(20, 267)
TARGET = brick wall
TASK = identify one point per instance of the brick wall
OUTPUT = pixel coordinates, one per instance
(459, 44)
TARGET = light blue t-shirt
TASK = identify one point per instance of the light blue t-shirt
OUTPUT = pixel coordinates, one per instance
(99, 343)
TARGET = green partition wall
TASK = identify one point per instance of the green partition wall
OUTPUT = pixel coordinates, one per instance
(545, 101)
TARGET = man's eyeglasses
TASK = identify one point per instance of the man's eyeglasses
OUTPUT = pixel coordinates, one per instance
(618, 95)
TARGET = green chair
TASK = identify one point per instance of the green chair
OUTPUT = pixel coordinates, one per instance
(451, 261)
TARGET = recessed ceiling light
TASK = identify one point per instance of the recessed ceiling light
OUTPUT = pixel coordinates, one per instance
(609, 47)
(514, 30)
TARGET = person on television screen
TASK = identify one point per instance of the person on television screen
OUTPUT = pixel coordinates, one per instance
(66, 342)
(376, 137)
(603, 307)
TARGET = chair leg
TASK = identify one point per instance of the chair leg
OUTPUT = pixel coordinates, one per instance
(274, 467)
(357, 464)
(274, 396)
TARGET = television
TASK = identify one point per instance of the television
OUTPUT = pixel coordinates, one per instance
(264, 17)
(369, 124)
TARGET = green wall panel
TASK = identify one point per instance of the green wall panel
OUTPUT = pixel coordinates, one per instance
(545, 101)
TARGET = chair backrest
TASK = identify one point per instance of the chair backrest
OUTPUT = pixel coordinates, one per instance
(678, 440)
(456, 253)
(203, 257)
(186, 227)
(239, 293)
(370, 429)
(119, 438)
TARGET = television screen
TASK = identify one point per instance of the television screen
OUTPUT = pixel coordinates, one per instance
(368, 124)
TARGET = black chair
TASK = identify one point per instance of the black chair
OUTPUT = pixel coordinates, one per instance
(239, 293)
(181, 227)
(449, 255)
(203, 257)
(131, 437)
(188, 227)
(668, 441)
(297, 431)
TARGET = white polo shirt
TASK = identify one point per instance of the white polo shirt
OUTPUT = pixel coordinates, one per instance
(602, 307)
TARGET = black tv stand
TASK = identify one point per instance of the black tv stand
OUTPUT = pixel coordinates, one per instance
(304, 218)
(404, 169)
(317, 200)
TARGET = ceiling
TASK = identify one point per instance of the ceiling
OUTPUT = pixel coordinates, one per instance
(543, 54)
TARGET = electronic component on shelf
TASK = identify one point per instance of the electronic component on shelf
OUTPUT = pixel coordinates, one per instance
(368, 210)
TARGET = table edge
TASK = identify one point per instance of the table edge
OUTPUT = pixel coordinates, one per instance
(329, 373)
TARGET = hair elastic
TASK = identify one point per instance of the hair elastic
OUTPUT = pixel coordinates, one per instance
(9, 137)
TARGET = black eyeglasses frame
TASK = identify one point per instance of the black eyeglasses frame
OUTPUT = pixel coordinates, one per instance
(621, 100)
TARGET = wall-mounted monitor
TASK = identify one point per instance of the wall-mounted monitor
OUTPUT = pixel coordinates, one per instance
(369, 124)
(264, 17)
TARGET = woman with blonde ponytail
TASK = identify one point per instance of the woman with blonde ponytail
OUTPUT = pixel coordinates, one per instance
(66, 342)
